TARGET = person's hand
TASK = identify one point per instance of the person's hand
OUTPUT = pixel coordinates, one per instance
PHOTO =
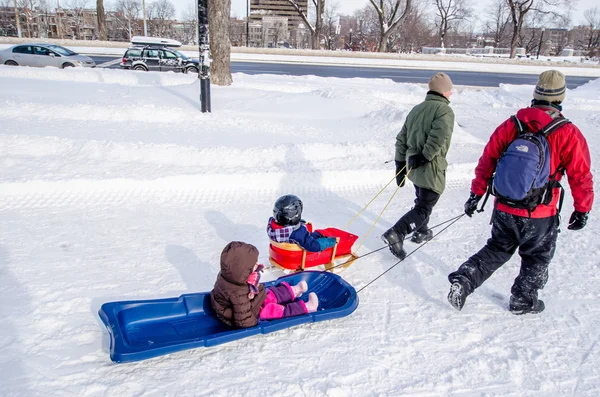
(251, 295)
(416, 161)
(471, 204)
(400, 173)
(578, 220)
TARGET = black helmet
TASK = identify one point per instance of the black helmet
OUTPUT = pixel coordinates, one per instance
(288, 210)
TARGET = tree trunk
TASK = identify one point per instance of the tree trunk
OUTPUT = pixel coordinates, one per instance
(220, 46)
(515, 39)
(101, 19)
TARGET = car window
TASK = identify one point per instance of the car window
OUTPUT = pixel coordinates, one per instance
(168, 55)
(41, 51)
(136, 52)
(151, 53)
(62, 50)
(180, 54)
(23, 49)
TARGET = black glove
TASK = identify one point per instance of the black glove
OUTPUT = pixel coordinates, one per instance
(416, 161)
(471, 204)
(578, 220)
(400, 175)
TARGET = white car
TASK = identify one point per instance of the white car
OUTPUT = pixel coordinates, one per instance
(41, 55)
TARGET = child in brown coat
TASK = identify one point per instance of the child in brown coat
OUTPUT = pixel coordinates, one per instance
(239, 299)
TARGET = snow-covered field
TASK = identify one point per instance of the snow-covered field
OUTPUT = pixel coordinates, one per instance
(114, 186)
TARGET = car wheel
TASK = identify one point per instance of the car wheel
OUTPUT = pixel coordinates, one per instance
(190, 70)
(140, 67)
(67, 65)
(11, 63)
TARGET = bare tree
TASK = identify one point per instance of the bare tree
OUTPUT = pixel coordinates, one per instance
(26, 8)
(448, 12)
(592, 18)
(237, 32)
(331, 26)
(415, 32)
(7, 24)
(219, 12)
(189, 20)
(368, 28)
(498, 22)
(101, 19)
(44, 11)
(317, 27)
(127, 14)
(519, 10)
(160, 17)
(390, 17)
(77, 8)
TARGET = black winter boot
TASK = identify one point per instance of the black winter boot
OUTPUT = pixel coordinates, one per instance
(457, 295)
(395, 241)
(523, 306)
(418, 237)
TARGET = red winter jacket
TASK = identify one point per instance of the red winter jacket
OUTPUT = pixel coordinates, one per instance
(569, 150)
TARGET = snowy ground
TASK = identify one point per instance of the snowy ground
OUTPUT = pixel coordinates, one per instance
(114, 186)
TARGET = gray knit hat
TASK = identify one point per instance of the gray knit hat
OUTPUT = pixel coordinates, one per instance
(440, 83)
(551, 87)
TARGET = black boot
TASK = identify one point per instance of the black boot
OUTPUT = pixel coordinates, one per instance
(418, 236)
(523, 306)
(395, 241)
(457, 295)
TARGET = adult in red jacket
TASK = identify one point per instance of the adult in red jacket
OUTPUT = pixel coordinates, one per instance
(534, 232)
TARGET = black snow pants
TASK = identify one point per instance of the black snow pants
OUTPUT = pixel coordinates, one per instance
(418, 217)
(536, 240)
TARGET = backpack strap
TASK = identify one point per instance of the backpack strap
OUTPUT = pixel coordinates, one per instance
(521, 128)
(554, 125)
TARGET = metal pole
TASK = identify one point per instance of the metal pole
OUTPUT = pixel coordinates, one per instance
(18, 21)
(204, 48)
(247, 21)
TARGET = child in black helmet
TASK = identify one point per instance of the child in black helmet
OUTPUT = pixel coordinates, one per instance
(286, 226)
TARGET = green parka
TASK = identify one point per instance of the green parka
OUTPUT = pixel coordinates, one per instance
(427, 130)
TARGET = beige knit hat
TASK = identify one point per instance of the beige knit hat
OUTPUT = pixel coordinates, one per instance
(550, 87)
(440, 83)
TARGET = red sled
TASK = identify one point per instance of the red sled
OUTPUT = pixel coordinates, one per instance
(291, 256)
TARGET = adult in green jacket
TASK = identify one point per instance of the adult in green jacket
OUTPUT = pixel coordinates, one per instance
(421, 148)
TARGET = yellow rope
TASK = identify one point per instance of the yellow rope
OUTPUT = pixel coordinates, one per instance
(377, 195)
(382, 211)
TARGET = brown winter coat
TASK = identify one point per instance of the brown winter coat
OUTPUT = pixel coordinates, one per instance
(229, 297)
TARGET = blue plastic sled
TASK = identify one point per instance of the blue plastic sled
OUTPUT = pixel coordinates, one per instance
(149, 328)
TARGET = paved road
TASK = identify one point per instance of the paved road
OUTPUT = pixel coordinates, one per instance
(480, 79)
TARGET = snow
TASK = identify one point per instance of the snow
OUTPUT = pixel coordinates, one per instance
(114, 186)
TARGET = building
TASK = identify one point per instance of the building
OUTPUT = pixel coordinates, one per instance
(275, 31)
(278, 8)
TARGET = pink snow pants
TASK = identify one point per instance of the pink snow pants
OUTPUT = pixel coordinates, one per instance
(280, 303)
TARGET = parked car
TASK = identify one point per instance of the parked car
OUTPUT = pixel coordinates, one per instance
(159, 58)
(42, 54)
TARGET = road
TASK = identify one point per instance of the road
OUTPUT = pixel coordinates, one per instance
(479, 79)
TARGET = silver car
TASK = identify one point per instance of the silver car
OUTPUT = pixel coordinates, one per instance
(41, 55)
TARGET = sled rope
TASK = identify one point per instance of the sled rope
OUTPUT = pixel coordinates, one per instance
(412, 252)
(405, 238)
(385, 246)
(377, 195)
(384, 208)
